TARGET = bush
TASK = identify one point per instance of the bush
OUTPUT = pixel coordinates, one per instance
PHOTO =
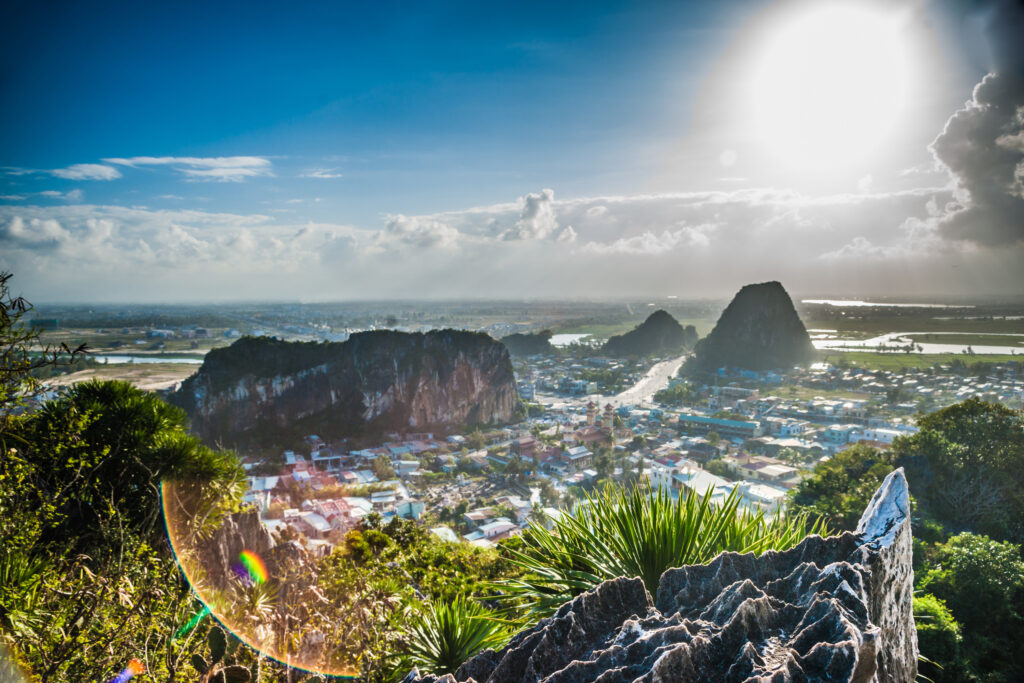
(637, 532)
(938, 640)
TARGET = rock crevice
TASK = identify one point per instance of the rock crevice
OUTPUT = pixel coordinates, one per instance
(836, 609)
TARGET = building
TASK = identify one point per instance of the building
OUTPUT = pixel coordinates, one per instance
(700, 424)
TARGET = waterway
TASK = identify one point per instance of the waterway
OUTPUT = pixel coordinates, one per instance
(566, 339)
(897, 341)
(115, 359)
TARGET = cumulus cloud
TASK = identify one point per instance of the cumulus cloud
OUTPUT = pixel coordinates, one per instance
(234, 169)
(981, 146)
(536, 219)
(87, 172)
(649, 243)
(696, 243)
(418, 232)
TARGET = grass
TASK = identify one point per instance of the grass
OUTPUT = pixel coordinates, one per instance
(901, 361)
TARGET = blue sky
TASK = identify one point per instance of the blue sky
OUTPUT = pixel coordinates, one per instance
(533, 149)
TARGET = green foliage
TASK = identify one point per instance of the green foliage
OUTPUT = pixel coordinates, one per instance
(840, 488)
(982, 583)
(720, 468)
(384, 572)
(638, 532)
(676, 394)
(448, 632)
(966, 466)
(938, 640)
(382, 468)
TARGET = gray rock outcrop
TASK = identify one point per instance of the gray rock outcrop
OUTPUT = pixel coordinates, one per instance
(829, 609)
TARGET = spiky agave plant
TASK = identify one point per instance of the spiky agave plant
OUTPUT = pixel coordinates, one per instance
(638, 532)
(448, 632)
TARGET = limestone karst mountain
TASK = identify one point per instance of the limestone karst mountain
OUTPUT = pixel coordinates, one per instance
(758, 330)
(374, 382)
(659, 333)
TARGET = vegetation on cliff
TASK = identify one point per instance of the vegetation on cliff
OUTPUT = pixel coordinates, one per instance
(660, 333)
(263, 389)
(758, 330)
(966, 471)
(529, 344)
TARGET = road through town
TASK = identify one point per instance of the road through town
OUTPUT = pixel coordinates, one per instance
(655, 380)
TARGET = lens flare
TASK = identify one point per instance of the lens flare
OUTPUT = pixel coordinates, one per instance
(254, 565)
(192, 623)
(134, 668)
(260, 589)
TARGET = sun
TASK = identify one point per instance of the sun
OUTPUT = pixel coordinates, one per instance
(829, 85)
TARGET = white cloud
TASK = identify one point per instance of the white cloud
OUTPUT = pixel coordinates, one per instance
(697, 243)
(321, 173)
(87, 172)
(536, 218)
(418, 232)
(235, 168)
(982, 146)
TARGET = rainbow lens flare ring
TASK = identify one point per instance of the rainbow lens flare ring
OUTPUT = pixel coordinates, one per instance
(252, 585)
(254, 565)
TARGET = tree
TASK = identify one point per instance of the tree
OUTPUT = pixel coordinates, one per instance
(840, 488)
(382, 468)
(18, 360)
(982, 582)
(713, 438)
(966, 466)
(548, 494)
(720, 468)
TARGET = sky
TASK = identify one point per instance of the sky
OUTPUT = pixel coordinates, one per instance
(175, 152)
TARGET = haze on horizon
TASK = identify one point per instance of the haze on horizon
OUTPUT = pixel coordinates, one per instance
(188, 152)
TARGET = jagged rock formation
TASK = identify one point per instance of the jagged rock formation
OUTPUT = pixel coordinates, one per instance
(758, 330)
(529, 344)
(659, 333)
(837, 609)
(267, 389)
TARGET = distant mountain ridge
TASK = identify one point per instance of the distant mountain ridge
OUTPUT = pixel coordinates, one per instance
(529, 344)
(659, 333)
(373, 383)
(758, 330)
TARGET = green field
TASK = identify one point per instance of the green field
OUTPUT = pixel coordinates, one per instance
(900, 361)
(107, 342)
(605, 330)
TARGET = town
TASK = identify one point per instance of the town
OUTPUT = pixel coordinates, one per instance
(755, 433)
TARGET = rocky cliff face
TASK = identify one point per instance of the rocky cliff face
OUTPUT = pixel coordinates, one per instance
(758, 330)
(836, 609)
(374, 382)
(659, 333)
